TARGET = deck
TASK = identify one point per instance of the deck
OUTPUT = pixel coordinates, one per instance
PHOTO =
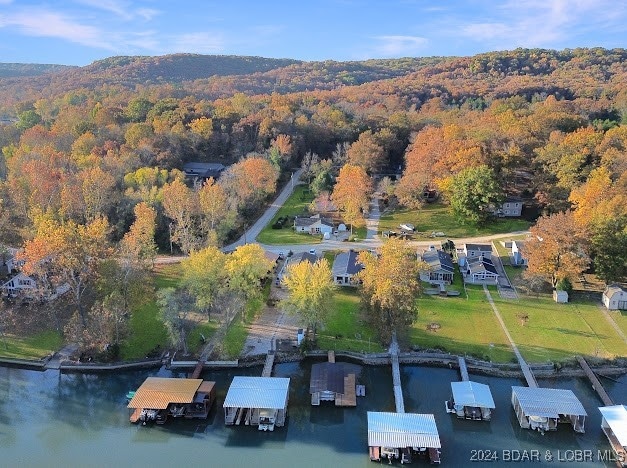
(463, 370)
(349, 398)
(596, 384)
(267, 368)
(135, 415)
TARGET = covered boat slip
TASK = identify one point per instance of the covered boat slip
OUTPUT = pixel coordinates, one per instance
(543, 409)
(257, 401)
(403, 436)
(614, 425)
(330, 381)
(159, 398)
(471, 400)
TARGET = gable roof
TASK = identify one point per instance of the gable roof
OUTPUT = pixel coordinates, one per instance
(481, 264)
(438, 260)
(346, 263)
(257, 392)
(612, 289)
(616, 418)
(473, 394)
(399, 430)
(202, 169)
(478, 247)
(303, 257)
(159, 392)
(304, 221)
(548, 402)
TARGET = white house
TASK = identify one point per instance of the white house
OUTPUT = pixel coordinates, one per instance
(510, 208)
(480, 270)
(345, 267)
(615, 297)
(19, 285)
(517, 253)
(477, 250)
(440, 267)
(313, 225)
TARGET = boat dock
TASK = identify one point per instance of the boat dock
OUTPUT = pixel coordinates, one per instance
(596, 384)
(463, 370)
(267, 367)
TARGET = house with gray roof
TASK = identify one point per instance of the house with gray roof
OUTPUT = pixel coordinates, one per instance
(477, 250)
(345, 267)
(440, 267)
(313, 225)
(200, 171)
(480, 270)
(510, 208)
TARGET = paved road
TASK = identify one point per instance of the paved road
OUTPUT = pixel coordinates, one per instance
(372, 222)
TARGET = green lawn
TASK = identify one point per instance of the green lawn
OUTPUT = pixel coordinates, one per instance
(466, 326)
(438, 217)
(345, 329)
(554, 332)
(33, 347)
(296, 204)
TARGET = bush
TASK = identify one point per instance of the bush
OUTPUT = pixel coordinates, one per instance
(277, 225)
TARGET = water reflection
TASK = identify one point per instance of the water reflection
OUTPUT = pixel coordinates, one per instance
(52, 419)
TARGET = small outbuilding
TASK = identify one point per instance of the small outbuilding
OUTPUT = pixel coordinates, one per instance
(614, 425)
(543, 409)
(257, 401)
(560, 296)
(403, 436)
(615, 297)
(471, 400)
(330, 381)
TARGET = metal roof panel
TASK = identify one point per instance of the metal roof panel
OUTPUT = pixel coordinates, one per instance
(398, 430)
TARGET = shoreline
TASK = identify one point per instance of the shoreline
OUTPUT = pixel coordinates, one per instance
(429, 359)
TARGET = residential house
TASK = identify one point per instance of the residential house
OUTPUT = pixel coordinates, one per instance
(480, 270)
(518, 258)
(8, 263)
(477, 250)
(313, 225)
(303, 257)
(510, 208)
(19, 285)
(345, 267)
(615, 297)
(198, 172)
(440, 267)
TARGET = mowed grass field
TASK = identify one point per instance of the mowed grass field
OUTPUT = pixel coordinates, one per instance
(438, 217)
(467, 325)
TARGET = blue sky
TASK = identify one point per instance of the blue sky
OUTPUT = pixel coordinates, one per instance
(77, 32)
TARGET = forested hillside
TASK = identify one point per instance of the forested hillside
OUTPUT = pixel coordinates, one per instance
(92, 156)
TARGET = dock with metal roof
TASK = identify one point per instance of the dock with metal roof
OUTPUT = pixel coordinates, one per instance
(257, 401)
(471, 400)
(543, 409)
(403, 436)
(159, 398)
(614, 425)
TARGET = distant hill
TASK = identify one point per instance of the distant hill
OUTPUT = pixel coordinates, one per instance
(12, 70)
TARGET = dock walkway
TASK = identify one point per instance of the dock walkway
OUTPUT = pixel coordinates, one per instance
(596, 384)
(463, 370)
(267, 368)
(396, 376)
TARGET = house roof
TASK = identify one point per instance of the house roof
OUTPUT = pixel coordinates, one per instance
(519, 243)
(257, 392)
(473, 394)
(272, 256)
(202, 169)
(616, 418)
(612, 289)
(346, 263)
(397, 430)
(18, 276)
(303, 257)
(327, 376)
(438, 260)
(479, 247)
(481, 264)
(301, 221)
(512, 199)
(159, 392)
(548, 402)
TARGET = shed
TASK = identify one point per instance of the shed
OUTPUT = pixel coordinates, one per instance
(614, 425)
(330, 381)
(615, 297)
(543, 408)
(400, 435)
(471, 400)
(560, 296)
(257, 401)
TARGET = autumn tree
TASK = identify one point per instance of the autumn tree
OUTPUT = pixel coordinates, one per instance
(557, 248)
(246, 267)
(475, 193)
(175, 306)
(390, 287)
(139, 242)
(311, 289)
(609, 249)
(250, 181)
(181, 206)
(98, 190)
(68, 255)
(214, 206)
(351, 194)
(205, 276)
(366, 153)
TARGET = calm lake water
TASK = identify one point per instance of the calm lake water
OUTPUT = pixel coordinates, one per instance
(48, 419)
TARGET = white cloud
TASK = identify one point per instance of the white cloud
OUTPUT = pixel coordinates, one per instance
(394, 46)
(121, 8)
